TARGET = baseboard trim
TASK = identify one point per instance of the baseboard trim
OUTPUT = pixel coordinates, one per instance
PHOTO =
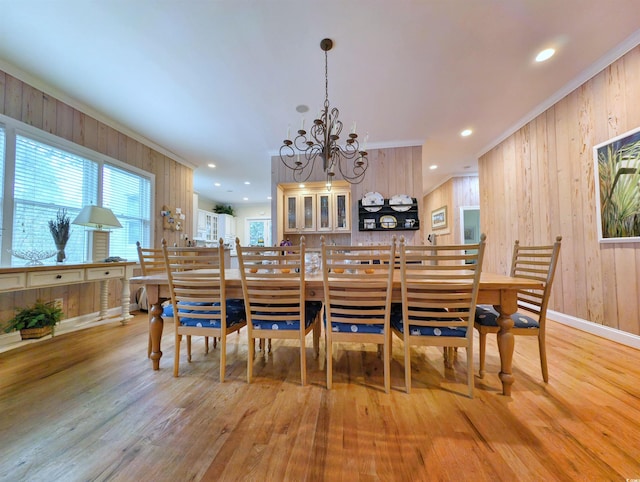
(602, 331)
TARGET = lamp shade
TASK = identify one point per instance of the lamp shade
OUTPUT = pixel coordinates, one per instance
(97, 217)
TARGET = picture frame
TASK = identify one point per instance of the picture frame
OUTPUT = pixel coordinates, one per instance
(439, 218)
(617, 192)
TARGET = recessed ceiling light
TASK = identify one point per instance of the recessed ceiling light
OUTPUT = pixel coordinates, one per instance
(546, 54)
(245, 198)
(247, 182)
(211, 165)
(433, 166)
(269, 198)
(301, 185)
(302, 108)
(466, 132)
(217, 184)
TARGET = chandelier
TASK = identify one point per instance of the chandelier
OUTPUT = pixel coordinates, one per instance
(321, 142)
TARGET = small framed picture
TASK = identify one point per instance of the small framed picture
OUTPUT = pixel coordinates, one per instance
(439, 218)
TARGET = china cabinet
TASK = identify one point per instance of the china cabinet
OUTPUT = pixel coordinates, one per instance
(316, 211)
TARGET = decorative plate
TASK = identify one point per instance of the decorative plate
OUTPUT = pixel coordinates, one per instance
(401, 202)
(389, 222)
(372, 201)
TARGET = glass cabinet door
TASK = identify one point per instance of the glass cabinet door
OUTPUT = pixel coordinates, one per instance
(341, 206)
(308, 212)
(324, 212)
(292, 213)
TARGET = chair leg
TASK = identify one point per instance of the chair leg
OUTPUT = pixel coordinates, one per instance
(251, 353)
(189, 348)
(303, 360)
(483, 349)
(407, 365)
(176, 357)
(316, 339)
(329, 356)
(470, 380)
(543, 357)
(386, 348)
(206, 345)
(223, 356)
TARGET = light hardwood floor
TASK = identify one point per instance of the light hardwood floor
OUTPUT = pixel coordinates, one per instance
(87, 406)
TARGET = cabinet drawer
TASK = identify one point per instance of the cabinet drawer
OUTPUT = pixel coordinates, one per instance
(13, 281)
(52, 278)
(94, 274)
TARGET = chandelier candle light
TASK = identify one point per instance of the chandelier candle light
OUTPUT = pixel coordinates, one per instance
(300, 154)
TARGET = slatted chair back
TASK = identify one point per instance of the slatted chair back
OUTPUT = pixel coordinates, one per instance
(273, 284)
(439, 292)
(535, 262)
(151, 260)
(358, 283)
(198, 293)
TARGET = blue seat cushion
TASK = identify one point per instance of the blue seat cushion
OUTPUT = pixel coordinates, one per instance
(312, 308)
(486, 315)
(416, 330)
(235, 314)
(346, 327)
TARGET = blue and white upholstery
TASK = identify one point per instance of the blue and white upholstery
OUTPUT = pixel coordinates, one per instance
(358, 283)
(439, 292)
(531, 262)
(198, 294)
(273, 284)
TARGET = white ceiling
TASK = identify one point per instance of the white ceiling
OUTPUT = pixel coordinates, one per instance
(218, 81)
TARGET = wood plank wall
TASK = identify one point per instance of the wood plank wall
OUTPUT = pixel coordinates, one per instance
(454, 193)
(391, 171)
(539, 183)
(173, 181)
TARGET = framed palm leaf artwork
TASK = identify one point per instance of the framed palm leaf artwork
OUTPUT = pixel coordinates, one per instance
(617, 180)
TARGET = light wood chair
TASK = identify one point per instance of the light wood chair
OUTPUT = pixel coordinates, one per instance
(198, 293)
(439, 293)
(273, 284)
(358, 282)
(532, 262)
(152, 262)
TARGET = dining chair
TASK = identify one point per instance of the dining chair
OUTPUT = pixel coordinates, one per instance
(358, 282)
(273, 284)
(439, 286)
(532, 262)
(198, 294)
(152, 262)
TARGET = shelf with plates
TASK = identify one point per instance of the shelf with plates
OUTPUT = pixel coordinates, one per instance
(399, 213)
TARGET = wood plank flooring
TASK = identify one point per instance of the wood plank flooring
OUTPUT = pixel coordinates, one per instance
(87, 406)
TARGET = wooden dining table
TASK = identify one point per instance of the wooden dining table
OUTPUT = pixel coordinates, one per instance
(495, 289)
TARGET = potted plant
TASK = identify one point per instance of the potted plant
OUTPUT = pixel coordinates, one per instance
(35, 321)
(60, 230)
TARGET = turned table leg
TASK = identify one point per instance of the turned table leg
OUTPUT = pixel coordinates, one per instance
(506, 340)
(156, 325)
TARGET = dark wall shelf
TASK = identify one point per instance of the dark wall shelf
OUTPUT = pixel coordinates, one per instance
(371, 221)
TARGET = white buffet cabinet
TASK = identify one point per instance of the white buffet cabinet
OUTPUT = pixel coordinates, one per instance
(18, 278)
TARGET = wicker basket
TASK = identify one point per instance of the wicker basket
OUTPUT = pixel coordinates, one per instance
(31, 333)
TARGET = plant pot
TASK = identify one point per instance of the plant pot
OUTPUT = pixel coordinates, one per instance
(32, 333)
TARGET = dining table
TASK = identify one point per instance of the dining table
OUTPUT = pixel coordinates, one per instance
(495, 289)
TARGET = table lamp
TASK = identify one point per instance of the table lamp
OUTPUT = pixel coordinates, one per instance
(99, 218)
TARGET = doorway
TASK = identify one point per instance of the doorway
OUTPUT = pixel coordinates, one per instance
(257, 232)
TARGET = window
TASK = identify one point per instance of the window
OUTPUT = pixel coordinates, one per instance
(51, 175)
(2, 154)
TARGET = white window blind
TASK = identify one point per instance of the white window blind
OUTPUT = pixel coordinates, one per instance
(48, 179)
(2, 161)
(128, 195)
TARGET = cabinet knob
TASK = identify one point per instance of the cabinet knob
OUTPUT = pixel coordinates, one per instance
(106, 273)
(58, 276)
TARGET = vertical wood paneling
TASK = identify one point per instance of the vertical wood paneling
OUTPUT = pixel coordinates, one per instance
(594, 281)
(174, 182)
